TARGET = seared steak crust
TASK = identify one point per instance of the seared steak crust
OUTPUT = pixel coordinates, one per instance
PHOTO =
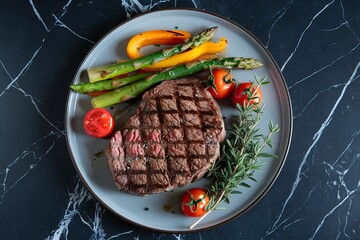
(171, 141)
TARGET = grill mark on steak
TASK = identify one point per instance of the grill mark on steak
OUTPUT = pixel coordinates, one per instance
(180, 109)
(158, 104)
(168, 145)
(145, 156)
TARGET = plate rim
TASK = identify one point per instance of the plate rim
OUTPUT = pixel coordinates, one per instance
(271, 182)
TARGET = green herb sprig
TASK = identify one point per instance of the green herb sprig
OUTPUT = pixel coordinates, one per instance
(240, 152)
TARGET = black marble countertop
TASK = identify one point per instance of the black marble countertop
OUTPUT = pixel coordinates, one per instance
(316, 45)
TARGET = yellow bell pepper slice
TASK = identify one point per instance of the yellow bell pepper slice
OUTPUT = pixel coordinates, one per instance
(154, 37)
(206, 56)
(188, 56)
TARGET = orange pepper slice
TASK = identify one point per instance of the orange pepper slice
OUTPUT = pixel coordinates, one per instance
(154, 37)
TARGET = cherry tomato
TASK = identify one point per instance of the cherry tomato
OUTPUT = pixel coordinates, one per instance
(222, 83)
(194, 201)
(98, 122)
(240, 96)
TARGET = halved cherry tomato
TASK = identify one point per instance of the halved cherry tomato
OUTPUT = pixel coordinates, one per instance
(194, 201)
(240, 94)
(98, 122)
(220, 83)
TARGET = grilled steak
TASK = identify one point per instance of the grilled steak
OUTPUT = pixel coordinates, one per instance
(171, 141)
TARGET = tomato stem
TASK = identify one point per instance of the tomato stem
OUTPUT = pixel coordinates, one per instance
(194, 202)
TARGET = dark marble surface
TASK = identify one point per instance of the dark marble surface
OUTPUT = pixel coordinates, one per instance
(315, 43)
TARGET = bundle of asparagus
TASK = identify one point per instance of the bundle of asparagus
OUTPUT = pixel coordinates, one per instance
(132, 86)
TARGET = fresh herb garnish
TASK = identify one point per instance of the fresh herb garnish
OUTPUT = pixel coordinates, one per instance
(240, 152)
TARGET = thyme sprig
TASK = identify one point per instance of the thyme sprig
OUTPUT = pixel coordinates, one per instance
(240, 152)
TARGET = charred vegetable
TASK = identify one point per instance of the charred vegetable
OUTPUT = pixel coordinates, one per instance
(137, 88)
(153, 37)
(109, 71)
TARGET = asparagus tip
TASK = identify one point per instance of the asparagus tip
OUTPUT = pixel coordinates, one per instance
(74, 87)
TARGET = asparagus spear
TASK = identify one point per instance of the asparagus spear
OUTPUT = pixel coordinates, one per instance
(107, 84)
(137, 88)
(106, 72)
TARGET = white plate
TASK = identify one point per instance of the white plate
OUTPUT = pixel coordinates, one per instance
(161, 212)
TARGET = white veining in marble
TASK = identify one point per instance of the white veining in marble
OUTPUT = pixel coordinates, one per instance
(315, 96)
(38, 15)
(48, 29)
(31, 151)
(281, 13)
(10, 176)
(23, 70)
(346, 22)
(303, 33)
(300, 173)
(285, 219)
(96, 224)
(133, 7)
(349, 195)
(61, 24)
(64, 9)
(347, 25)
(76, 199)
(324, 68)
(36, 103)
(121, 234)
